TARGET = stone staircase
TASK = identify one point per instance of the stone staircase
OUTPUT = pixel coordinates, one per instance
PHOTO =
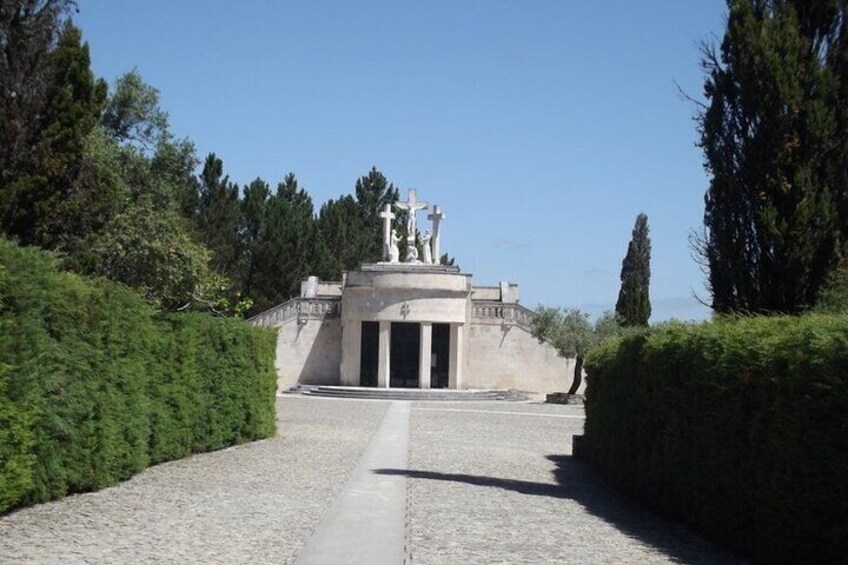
(415, 394)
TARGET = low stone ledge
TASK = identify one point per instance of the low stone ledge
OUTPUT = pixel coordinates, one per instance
(564, 398)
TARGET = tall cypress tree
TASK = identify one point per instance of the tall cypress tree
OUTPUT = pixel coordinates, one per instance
(633, 307)
(774, 139)
(43, 127)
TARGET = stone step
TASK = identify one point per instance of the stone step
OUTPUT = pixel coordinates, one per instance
(403, 395)
(409, 393)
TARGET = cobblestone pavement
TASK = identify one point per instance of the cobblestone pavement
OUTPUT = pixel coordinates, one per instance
(254, 503)
(502, 487)
(487, 483)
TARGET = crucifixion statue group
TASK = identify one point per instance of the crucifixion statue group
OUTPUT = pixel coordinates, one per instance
(429, 241)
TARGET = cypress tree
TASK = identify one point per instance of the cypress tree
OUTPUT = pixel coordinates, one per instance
(774, 138)
(633, 307)
(44, 132)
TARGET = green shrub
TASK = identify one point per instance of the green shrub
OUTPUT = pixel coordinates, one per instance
(94, 386)
(739, 427)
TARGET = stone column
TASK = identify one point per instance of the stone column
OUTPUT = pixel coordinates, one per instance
(351, 352)
(384, 357)
(424, 355)
(457, 349)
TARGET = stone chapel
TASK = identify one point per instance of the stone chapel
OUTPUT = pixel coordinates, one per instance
(411, 324)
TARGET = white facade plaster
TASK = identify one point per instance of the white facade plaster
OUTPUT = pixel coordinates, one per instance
(490, 343)
(508, 356)
(308, 353)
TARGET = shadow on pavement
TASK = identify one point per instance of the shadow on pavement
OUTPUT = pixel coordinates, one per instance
(576, 481)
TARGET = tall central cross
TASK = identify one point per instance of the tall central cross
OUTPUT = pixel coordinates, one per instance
(412, 205)
(387, 217)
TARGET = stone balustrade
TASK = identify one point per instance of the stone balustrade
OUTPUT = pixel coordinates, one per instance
(482, 312)
(496, 312)
(301, 309)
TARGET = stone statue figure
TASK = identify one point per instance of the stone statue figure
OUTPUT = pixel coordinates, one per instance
(412, 253)
(411, 206)
(425, 244)
(394, 252)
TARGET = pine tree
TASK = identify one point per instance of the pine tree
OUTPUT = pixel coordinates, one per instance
(219, 217)
(253, 209)
(283, 250)
(775, 143)
(633, 307)
(373, 191)
(342, 235)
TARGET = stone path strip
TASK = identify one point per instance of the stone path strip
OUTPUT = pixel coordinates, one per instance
(366, 524)
(424, 483)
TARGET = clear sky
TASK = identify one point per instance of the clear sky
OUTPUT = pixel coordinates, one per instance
(542, 128)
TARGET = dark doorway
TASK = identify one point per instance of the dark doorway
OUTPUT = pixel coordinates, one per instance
(405, 349)
(369, 354)
(440, 356)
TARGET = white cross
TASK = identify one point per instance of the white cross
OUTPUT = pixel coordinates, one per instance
(436, 217)
(412, 205)
(387, 216)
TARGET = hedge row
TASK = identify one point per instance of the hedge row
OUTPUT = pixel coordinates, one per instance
(738, 427)
(94, 386)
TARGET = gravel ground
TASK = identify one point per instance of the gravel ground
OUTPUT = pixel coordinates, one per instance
(489, 482)
(254, 503)
(503, 488)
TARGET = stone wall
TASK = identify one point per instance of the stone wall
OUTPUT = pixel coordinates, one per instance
(500, 352)
(506, 356)
(309, 341)
(309, 354)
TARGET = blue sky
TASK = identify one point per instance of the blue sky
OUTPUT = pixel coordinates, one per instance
(542, 128)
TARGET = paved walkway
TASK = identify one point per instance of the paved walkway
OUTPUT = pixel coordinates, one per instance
(351, 481)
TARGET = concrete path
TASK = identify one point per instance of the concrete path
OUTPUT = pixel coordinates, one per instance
(366, 524)
(354, 481)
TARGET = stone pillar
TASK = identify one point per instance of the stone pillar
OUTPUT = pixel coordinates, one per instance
(351, 353)
(384, 357)
(457, 349)
(424, 355)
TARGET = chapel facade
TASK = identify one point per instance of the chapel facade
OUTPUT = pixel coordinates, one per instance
(411, 323)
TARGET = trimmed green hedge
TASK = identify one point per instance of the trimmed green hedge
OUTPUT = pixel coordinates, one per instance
(94, 386)
(738, 427)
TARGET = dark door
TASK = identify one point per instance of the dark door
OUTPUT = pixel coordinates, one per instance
(440, 356)
(369, 353)
(405, 349)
